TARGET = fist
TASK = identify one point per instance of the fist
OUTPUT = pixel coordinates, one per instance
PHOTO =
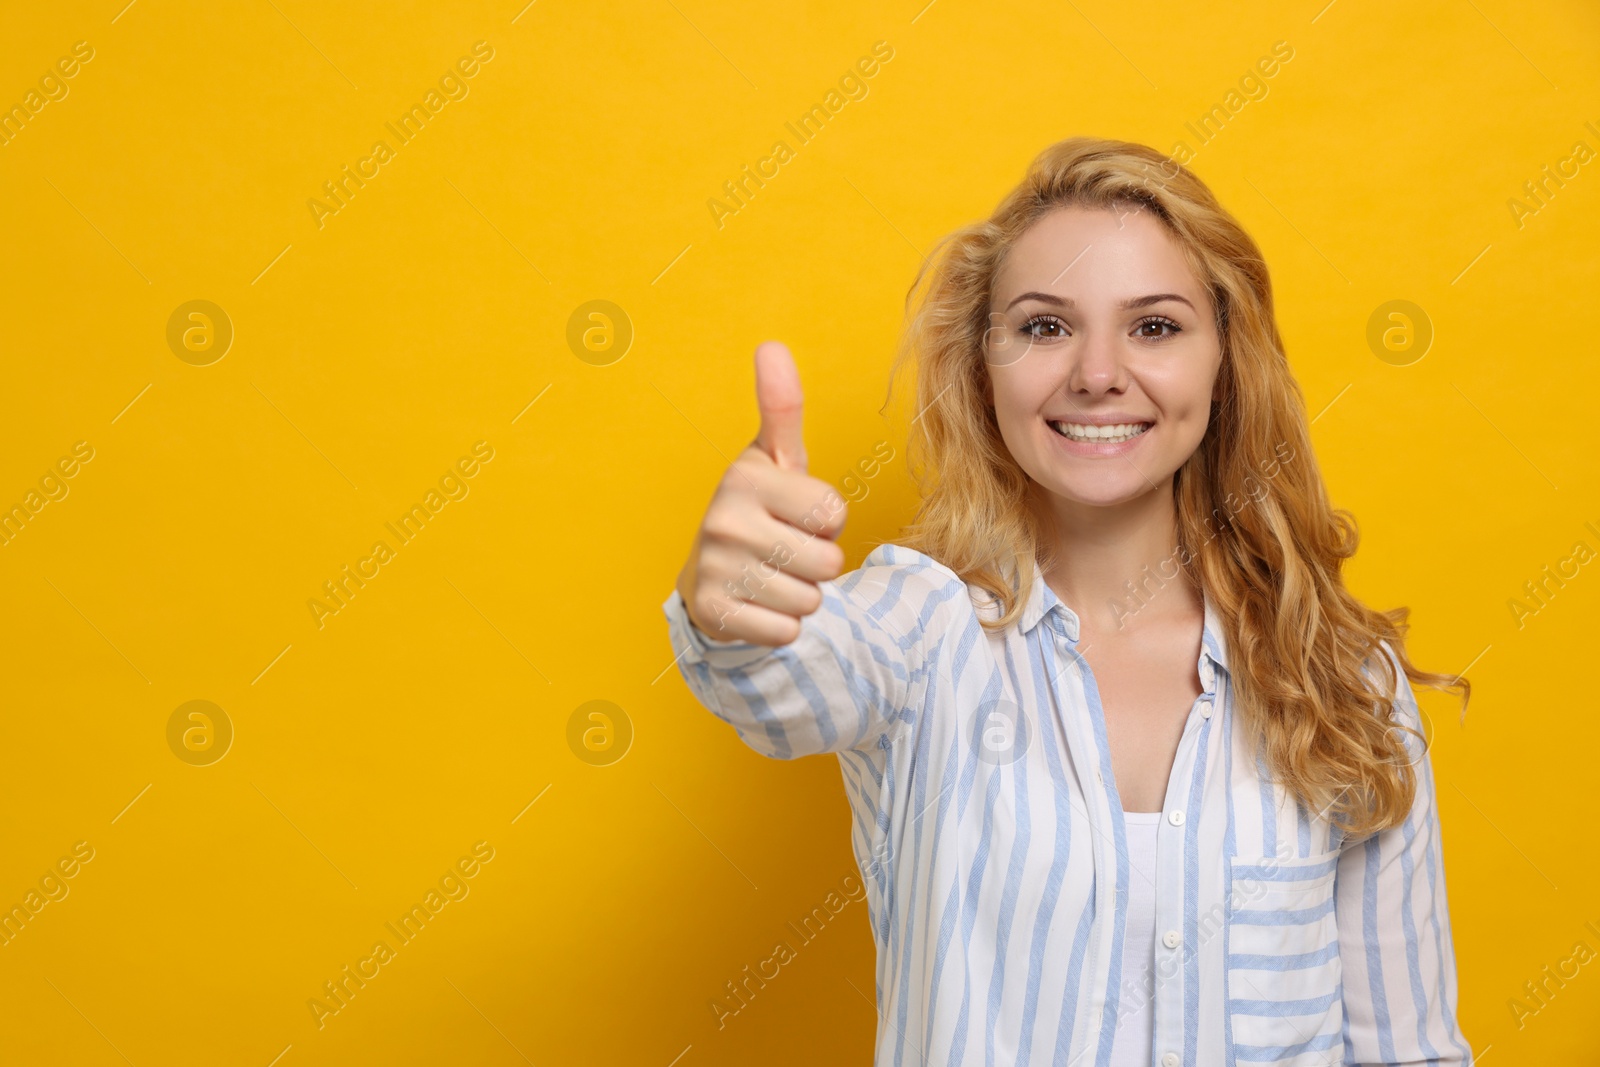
(768, 535)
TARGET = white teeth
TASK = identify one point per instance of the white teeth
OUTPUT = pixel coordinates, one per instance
(1122, 431)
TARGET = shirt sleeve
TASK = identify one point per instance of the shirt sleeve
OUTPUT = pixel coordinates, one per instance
(1395, 945)
(855, 672)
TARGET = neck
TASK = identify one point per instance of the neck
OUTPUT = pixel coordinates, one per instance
(1118, 568)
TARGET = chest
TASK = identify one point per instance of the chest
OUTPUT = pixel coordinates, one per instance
(1146, 691)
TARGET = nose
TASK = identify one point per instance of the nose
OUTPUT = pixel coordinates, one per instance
(1097, 365)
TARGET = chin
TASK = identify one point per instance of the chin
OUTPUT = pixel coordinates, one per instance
(1113, 501)
(1098, 493)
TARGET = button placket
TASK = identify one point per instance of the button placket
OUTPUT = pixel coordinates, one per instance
(1169, 1023)
(1208, 677)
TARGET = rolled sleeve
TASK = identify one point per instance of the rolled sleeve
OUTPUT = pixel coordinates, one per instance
(849, 678)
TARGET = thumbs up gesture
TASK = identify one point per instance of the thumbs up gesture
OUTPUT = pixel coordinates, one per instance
(767, 538)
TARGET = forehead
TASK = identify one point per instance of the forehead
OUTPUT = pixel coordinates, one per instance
(1116, 252)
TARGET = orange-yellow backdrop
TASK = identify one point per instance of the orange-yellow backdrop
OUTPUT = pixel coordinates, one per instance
(375, 345)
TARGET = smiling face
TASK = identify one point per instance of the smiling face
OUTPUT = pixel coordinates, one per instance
(1102, 355)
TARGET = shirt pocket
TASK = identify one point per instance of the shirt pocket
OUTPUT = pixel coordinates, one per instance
(1283, 963)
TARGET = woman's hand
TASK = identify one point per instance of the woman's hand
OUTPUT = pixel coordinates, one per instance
(767, 538)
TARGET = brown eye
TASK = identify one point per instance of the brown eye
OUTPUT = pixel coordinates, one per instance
(1159, 321)
(1032, 327)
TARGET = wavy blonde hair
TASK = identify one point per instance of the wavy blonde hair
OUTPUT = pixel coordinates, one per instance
(1268, 551)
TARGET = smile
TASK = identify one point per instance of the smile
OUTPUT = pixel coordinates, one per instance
(1115, 434)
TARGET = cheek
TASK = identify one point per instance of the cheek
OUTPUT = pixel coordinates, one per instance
(1018, 399)
(1016, 407)
(1186, 435)
(1019, 391)
(1182, 388)
(1016, 440)
(1184, 401)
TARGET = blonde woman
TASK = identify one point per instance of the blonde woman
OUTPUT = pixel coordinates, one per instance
(1136, 780)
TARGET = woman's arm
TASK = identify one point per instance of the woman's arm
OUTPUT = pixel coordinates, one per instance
(856, 670)
(769, 634)
(1394, 929)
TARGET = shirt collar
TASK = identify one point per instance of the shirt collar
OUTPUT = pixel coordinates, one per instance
(1043, 603)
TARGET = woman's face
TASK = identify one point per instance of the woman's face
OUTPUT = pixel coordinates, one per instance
(1098, 327)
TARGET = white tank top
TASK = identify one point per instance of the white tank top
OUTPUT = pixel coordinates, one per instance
(1135, 1021)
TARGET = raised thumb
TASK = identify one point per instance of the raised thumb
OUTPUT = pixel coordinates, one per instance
(779, 399)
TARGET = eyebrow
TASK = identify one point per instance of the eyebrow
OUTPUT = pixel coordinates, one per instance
(1130, 304)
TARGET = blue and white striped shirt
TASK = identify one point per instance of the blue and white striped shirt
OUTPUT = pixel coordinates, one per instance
(991, 841)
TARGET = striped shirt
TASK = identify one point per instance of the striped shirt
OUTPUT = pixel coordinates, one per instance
(993, 849)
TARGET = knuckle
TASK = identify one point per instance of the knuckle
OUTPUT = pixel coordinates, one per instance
(708, 599)
(812, 597)
(739, 475)
(722, 524)
(704, 613)
(827, 506)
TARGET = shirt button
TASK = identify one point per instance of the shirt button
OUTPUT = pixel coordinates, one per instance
(1207, 673)
(1175, 818)
(1205, 709)
(1170, 939)
(1170, 1060)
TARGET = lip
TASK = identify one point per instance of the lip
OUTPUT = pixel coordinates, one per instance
(1106, 419)
(1098, 448)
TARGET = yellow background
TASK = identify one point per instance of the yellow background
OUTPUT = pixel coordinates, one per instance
(369, 354)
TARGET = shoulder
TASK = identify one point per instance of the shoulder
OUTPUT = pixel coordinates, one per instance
(890, 558)
(1405, 711)
(905, 581)
(1382, 668)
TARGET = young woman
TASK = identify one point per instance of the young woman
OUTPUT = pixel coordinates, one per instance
(1136, 780)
